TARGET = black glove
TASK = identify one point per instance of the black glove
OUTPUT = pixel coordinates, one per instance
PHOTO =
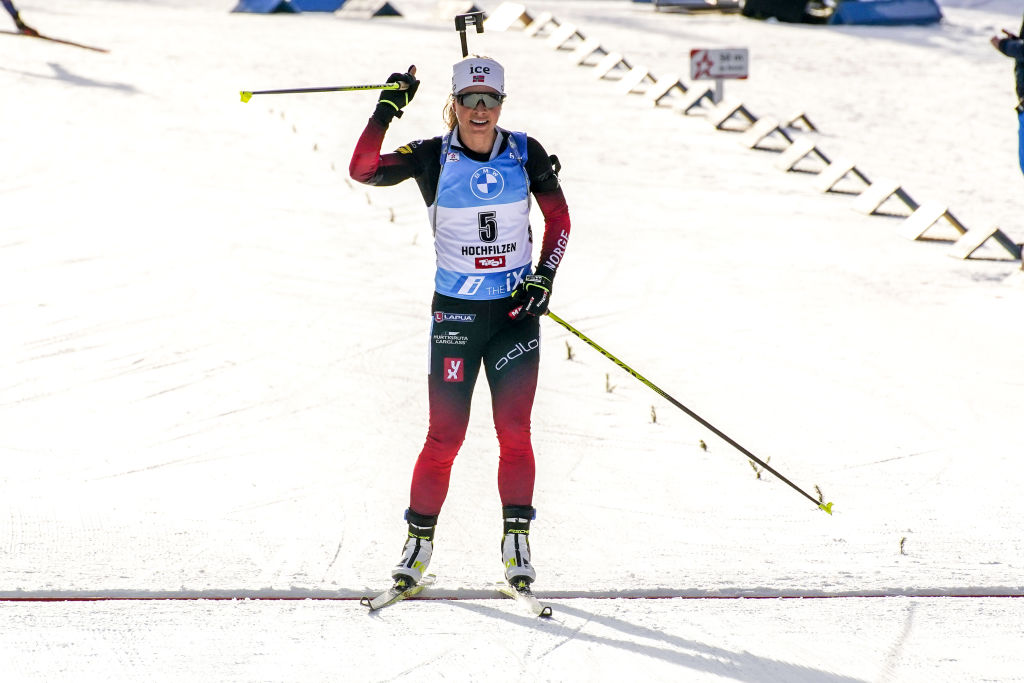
(531, 297)
(391, 102)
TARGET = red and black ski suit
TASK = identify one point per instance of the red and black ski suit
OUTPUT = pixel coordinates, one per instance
(469, 332)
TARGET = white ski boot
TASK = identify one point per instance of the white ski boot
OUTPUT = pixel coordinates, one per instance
(418, 548)
(515, 545)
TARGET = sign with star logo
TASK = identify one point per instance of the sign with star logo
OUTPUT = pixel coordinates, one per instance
(720, 63)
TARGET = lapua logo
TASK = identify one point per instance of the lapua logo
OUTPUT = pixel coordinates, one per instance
(442, 317)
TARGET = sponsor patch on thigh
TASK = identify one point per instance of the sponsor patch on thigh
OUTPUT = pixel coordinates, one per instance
(454, 369)
(516, 351)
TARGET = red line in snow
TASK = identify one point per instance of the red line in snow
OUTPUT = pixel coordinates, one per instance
(443, 598)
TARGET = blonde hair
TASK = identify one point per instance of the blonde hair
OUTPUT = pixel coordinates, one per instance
(448, 113)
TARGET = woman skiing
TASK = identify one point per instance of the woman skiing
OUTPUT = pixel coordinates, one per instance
(477, 181)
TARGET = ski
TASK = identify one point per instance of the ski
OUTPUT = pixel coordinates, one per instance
(396, 593)
(524, 597)
(56, 40)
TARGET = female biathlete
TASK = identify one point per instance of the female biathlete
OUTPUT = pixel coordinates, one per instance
(477, 181)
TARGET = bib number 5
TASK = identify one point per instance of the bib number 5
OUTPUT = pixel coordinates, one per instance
(488, 223)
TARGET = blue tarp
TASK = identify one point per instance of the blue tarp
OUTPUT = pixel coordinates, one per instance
(263, 6)
(1020, 147)
(317, 5)
(887, 12)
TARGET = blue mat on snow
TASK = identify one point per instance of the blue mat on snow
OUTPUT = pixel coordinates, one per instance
(317, 5)
(263, 6)
(887, 12)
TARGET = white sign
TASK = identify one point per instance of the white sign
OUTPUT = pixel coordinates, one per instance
(716, 64)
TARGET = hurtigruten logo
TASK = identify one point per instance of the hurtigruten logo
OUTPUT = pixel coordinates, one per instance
(487, 183)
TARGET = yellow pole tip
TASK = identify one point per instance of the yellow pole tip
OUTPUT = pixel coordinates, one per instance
(827, 507)
(246, 95)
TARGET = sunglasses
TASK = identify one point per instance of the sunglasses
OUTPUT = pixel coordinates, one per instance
(471, 99)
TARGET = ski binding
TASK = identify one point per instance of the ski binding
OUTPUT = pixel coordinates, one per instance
(398, 592)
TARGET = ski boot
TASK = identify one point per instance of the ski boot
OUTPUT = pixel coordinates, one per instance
(24, 28)
(416, 552)
(515, 546)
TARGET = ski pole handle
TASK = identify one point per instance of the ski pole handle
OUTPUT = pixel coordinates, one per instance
(461, 20)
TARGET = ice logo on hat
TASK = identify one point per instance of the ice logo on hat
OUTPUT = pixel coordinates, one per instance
(487, 183)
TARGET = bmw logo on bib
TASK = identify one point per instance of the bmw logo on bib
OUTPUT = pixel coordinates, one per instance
(487, 183)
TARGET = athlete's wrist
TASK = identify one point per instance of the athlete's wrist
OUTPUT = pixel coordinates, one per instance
(545, 271)
(385, 112)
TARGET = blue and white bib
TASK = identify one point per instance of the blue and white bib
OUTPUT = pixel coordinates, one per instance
(481, 221)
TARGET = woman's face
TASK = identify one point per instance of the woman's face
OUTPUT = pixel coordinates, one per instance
(477, 110)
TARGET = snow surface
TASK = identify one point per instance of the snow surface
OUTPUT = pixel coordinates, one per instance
(213, 344)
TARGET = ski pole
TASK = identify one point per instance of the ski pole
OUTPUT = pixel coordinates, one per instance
(827, 507)
(475, 18)
(247, 94)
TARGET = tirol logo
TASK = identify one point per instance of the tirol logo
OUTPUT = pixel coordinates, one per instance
(453, 369)
(487, 183)
(442, 317)
(490, 262)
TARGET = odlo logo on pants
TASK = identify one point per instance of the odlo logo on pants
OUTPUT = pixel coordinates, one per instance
(453, 369)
